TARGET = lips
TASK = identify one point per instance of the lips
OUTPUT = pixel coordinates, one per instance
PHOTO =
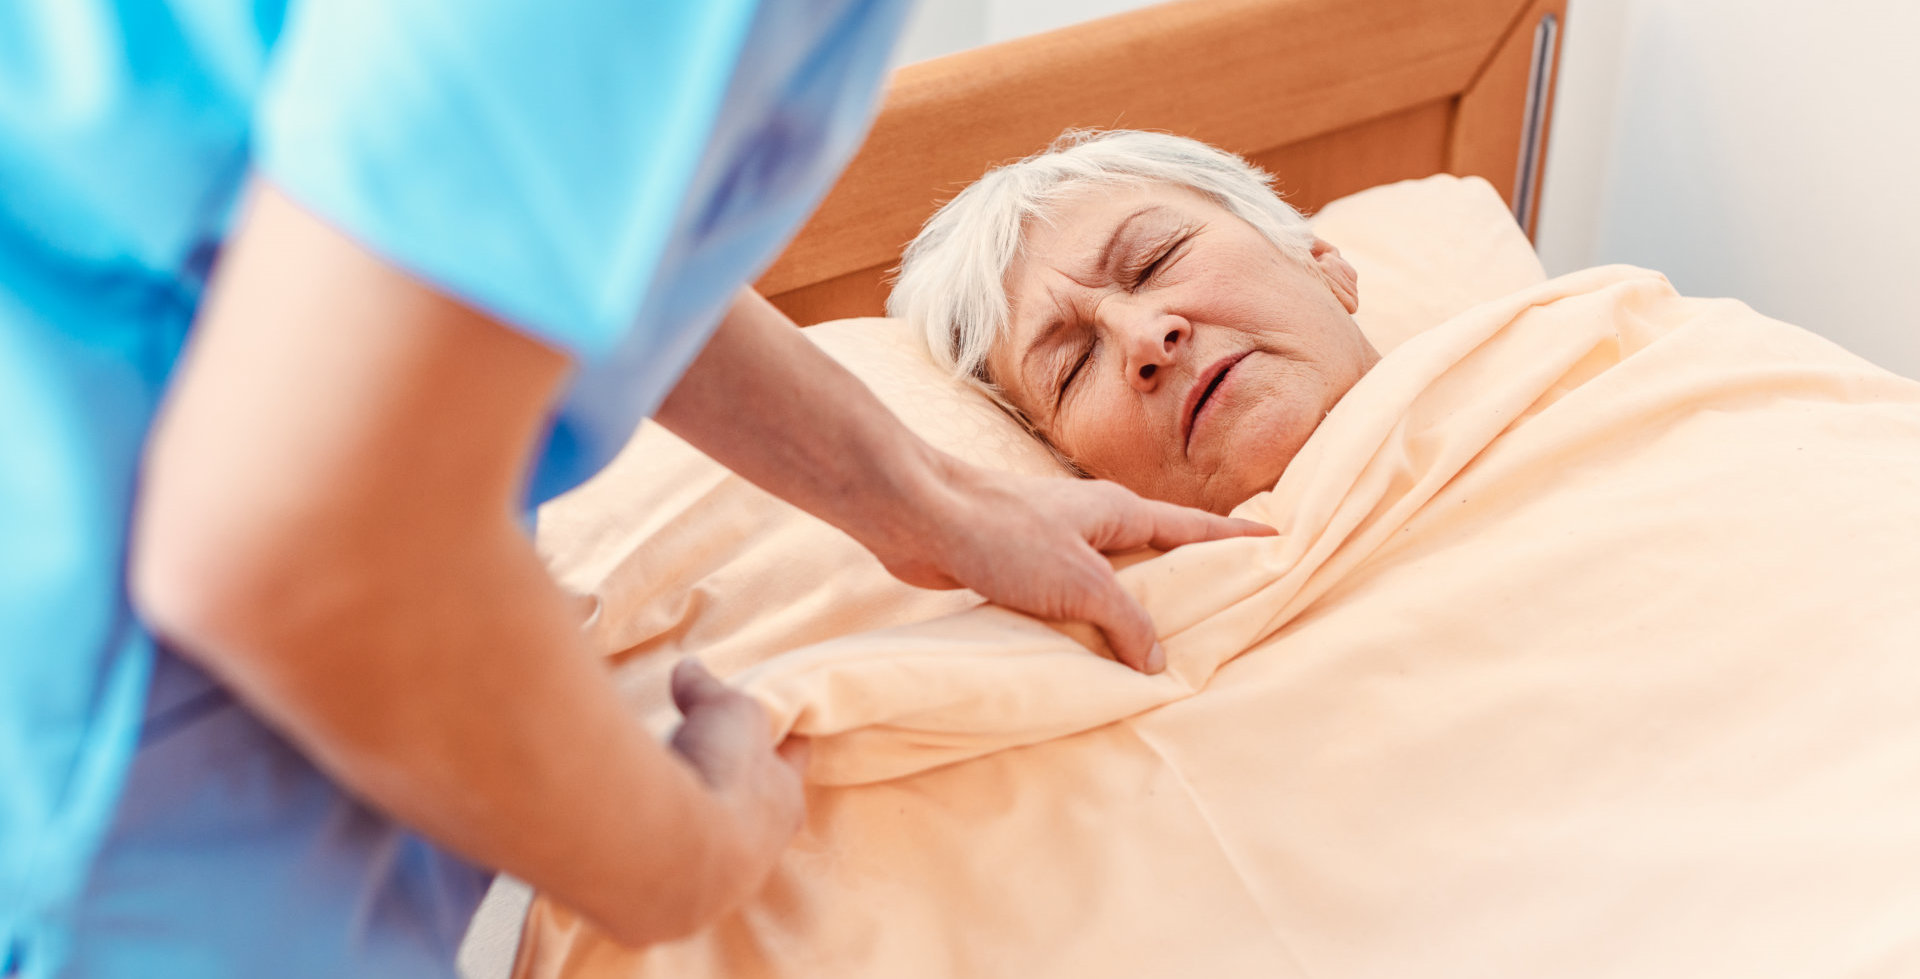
(1202, 392)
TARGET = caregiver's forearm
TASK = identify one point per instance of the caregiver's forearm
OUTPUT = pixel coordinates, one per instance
(765, 402)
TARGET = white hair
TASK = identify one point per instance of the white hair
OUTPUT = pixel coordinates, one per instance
(952, 279)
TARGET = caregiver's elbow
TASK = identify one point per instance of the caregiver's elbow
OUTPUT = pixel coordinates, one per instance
(248, 575)
(214, 589)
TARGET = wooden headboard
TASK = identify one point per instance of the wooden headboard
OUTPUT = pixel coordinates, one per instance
(1333, 96)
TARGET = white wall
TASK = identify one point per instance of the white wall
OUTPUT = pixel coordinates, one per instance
(1763, 149)
(1760, 149)
(939, 27)
(944, 26)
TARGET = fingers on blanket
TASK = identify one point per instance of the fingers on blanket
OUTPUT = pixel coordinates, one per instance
(1118, 616)
(1130, 521)
(1174, 525)
(724, 730)
(727, 740)
(694, 687)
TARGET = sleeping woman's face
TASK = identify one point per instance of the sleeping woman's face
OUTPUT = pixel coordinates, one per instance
(1161, 342)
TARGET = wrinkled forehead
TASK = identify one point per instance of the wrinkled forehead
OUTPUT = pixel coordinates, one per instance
(1072, 230)
(1082, 235)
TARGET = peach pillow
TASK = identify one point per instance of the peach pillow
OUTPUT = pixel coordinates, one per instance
(1427, 250)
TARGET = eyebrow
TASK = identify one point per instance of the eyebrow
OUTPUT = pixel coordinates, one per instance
(1057, 323)
(1119, 230)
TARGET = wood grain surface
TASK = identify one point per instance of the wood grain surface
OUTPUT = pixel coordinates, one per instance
(1333, 96)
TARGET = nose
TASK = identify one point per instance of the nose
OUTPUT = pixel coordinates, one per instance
(1150, 338)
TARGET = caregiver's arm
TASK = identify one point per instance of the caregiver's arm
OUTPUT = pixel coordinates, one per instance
(766, 403)
(328, 522)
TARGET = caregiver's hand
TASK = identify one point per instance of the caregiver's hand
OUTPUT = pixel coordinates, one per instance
(1036, 544)
(727, 740)
(769, 405)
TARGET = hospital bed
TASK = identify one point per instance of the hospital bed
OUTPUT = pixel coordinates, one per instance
(1333, 96)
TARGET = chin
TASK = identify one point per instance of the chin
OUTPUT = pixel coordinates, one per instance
(1243, 487)
(1260, 456)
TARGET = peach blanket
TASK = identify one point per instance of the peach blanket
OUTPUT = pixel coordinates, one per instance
(1590, 646)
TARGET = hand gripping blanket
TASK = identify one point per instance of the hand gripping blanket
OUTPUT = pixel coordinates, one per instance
(1590, 646)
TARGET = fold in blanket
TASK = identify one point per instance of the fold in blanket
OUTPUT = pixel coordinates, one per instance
(1588, 646)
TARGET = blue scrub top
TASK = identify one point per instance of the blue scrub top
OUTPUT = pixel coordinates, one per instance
(601, 174)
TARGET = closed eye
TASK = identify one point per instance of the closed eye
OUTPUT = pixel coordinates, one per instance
(1160, 261)
(1073, 372)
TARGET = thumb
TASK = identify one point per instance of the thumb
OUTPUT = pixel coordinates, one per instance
(694, 686)
(723, 730)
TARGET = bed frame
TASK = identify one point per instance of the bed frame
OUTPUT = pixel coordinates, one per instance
(1333, 96)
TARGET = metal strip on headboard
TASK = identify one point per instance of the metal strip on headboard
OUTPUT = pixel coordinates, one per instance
(1546, 36)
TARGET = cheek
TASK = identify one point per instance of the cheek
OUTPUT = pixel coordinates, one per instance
(1278, 431)
(1112, 440)
(1255, 289)
(1270, 434)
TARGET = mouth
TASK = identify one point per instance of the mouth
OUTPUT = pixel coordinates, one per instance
(1202, 393)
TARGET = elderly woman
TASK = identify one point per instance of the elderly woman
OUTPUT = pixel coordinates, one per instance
(1147, 306)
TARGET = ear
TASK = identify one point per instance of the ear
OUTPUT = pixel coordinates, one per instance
(1340, 274)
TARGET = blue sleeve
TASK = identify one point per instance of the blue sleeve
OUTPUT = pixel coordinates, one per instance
(527, 158)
